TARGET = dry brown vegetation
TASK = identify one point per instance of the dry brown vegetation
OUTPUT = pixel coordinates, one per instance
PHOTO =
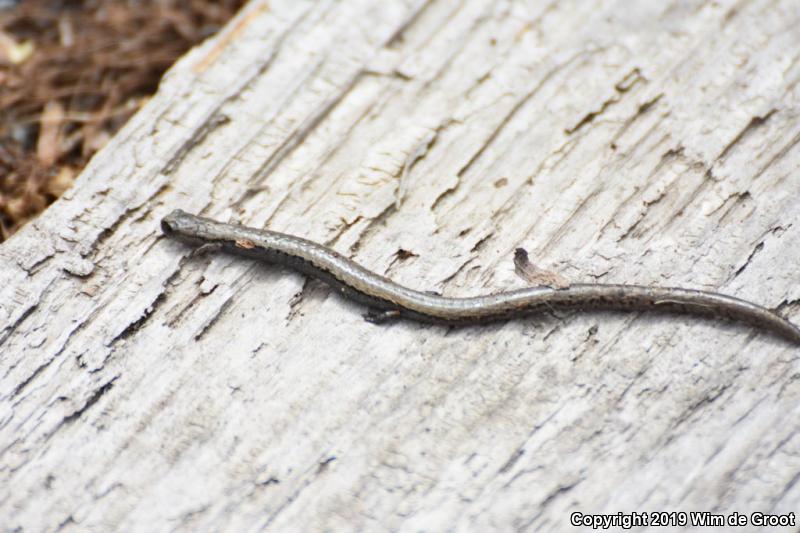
(71, 74)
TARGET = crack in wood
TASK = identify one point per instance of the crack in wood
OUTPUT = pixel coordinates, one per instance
(419, 153)
(307, 126)
(679, 210)
(496, 131)
(108, 231)
(206, 327)
(137, 324)
(695, 406)
(213, 122)
(372, 227)
(510, 116)
(643, 109)
(172, 320)
(27, 381)
(445, 63)
(669, 156)
(457, 271)
(620, 88)
(396, 38)
(479, 245)
(325, 464)
(755, 123)
(92, 400)
(780, 155)
(68, 521)
(565, 226)
(511, 461)
(38, 264)
(758, 247)
(216, 118)
(321, 466)
(730, 204)
(12, 327)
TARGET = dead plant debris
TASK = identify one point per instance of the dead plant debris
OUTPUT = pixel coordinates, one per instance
(71, 74)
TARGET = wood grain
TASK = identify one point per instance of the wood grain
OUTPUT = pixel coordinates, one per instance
(634, 142)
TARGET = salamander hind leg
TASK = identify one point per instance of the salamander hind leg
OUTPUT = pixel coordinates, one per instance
(376, 316)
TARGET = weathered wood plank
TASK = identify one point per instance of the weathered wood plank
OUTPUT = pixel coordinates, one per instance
(143, 389)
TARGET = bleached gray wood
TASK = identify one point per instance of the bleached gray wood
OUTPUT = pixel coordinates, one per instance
(643, 142)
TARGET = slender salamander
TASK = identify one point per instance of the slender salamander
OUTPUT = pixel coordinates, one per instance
(380, 293)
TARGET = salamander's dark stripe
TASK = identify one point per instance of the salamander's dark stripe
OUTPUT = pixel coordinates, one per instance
(378, 292)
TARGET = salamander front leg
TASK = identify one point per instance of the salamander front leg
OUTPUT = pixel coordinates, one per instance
(207, 248)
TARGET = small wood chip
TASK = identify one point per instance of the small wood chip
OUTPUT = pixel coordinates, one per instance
(535, 275)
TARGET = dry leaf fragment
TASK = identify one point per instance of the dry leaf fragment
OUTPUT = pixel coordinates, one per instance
(14, 52)
(535, 275)
(48, 146)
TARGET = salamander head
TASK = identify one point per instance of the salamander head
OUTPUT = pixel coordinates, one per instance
(181, 226)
